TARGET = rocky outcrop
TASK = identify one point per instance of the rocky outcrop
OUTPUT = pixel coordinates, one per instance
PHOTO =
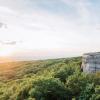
(91, 62)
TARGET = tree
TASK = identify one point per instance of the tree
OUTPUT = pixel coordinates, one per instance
(48, 89)
(64, 73)
(87, 93)
(76, 83)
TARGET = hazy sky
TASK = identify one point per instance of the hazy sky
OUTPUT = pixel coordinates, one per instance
(36, 29)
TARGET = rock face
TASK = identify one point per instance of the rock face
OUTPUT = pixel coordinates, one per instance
(91, 62)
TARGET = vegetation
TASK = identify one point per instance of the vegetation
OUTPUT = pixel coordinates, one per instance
(57, 79)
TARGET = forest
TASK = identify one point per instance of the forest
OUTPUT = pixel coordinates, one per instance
(53, 79)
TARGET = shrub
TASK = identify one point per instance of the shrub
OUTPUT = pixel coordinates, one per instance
(48, 89)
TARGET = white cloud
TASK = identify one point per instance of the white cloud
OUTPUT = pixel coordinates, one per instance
(5, 10)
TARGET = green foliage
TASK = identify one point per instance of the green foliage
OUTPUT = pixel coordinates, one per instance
(48, 89)
(57, 79)
(87, 93)
(75, 83)
(64, 73)
(96, 94)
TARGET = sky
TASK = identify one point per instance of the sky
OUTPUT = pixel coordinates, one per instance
(42, 29)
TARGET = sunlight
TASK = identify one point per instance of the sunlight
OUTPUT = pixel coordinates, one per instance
(6, 51)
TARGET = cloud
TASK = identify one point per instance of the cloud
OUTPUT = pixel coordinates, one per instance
(44, 27)
(6, 10)
(10, 42)
(3, 25)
